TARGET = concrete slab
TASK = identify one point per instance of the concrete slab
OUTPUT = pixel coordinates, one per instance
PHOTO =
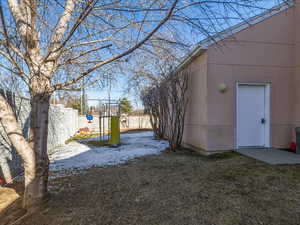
(271, 156)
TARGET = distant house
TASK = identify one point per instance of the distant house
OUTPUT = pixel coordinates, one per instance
(245, 84)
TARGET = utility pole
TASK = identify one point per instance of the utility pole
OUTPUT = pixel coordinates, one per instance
(109, 90)
(82, 96)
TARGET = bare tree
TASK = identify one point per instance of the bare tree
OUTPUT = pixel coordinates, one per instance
(177, 99)
(53, 45)
(150, 98)
(166, 102)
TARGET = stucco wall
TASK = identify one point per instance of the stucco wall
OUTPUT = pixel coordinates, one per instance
(296, 83)
(195, 132)
(263, 53)
(267, 52)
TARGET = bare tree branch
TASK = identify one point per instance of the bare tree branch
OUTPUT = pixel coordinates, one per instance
(169, 14)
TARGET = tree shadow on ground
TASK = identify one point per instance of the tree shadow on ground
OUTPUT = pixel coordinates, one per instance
(11, 203)
(176, 188)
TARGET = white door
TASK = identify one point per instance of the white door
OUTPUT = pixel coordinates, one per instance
(251, 115)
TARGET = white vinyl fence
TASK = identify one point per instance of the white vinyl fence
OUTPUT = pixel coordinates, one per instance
(127, 123)
(63, 123)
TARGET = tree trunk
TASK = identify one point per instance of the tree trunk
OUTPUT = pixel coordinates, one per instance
(14, 133)
(36, 190)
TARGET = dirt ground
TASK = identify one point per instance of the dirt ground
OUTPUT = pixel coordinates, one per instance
(171, 188)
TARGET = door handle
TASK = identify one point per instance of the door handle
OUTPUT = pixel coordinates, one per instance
(263, 120)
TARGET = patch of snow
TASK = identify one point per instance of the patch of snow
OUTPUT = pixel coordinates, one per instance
(76, 156)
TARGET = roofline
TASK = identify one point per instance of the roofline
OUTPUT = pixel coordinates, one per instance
(206, 43)
(199, 50)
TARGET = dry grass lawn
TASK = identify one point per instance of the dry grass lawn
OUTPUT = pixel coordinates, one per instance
(172, 188)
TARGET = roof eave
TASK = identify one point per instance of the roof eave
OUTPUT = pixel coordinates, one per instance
(190, 57)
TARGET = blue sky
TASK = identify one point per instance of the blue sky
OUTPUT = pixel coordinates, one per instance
(119, 87)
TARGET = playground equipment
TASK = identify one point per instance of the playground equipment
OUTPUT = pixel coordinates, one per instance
(109, 121)
(108, 112)
(114, 139)
(89, 117)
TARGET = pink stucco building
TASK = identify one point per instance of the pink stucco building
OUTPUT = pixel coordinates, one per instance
(245, 89)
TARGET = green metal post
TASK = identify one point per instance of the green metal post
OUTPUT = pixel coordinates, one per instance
(115, 131)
